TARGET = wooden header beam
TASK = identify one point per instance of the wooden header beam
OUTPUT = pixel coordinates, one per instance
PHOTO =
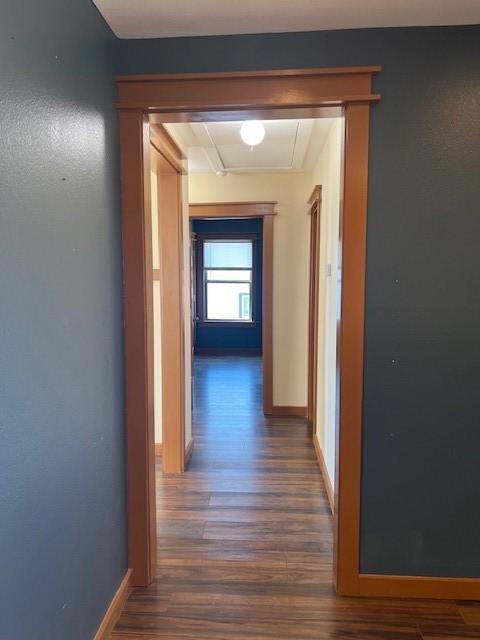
(232, 209)
(278, 89)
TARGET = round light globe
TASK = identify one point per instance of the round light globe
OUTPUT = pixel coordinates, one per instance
(252, 132)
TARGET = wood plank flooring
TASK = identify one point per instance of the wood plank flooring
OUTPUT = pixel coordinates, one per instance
(245, 537)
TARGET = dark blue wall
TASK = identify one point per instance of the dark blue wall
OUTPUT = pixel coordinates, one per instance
(232, 338)
(421, 428)
(62, 471)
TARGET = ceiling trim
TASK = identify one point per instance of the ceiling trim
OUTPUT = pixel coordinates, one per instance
(206, 150)
(304, 131)
(208, 145)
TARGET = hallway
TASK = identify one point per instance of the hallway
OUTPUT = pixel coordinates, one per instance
(245, 536)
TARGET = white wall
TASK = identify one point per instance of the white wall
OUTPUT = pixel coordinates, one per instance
(327, 173)
(290, 271)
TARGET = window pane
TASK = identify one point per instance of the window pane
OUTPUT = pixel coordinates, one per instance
(227, 253)
(235, 274)
(228, 301)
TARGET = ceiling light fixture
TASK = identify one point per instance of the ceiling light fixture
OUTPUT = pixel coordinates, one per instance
(252, 132)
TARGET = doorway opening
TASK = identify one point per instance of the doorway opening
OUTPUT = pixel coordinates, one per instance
(258, 284)
(217, 98)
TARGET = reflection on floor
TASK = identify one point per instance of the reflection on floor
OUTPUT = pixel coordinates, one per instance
(245, 536)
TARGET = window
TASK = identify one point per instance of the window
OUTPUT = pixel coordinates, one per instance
(227, 280)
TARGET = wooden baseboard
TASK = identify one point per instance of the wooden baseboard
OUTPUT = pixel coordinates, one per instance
(289, 412)
(323, 469)
(188, 452)
(115, 608)
(388, 586)
(158, 449)
(418, 587)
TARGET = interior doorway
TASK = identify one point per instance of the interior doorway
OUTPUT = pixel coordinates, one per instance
(264, 95)
(227, 295)
(257, 218)
(228, 286)
(229, 278)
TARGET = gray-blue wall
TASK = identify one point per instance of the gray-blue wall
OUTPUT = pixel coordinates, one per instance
(62, 471)
(421, 428)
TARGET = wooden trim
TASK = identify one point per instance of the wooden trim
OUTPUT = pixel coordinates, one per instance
(419, 587)
(156, 274)
(170, 238)
(315, 202)
(189, 451)
(211, 96)
(323, 468)
(263, 73)
(315, 197)
(247, 90)
(166, 146)
(353, 232)
(232, 209)
(288, 412)
(193, 296)
(267, 315)
(158, 449)
(138, 337)
(115, 608)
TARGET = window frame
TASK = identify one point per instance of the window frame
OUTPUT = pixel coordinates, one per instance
(201, 298)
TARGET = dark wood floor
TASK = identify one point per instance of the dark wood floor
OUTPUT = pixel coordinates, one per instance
(245, 537)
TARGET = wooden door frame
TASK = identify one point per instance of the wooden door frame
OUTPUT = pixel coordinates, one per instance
(239, 95)
(315, 202)
(168, 161)
(266, 211)
(301, 93)
(315, 210)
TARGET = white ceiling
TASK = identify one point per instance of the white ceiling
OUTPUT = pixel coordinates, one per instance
(168, 18)
(289, 145)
